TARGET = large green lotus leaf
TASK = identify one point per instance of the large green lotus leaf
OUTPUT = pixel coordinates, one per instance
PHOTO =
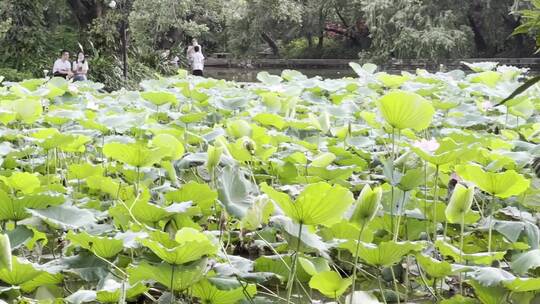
(523, 262)
(433, 267)
(448, 151)
(40, 201)
(22, 181)
(460, 203)
(481, 66)
(136, 155)
(309, 240)
(411, 179)
(212, 294)
(523, 284)
(169, 146)
(314, 266)
(489, 294)
(200, 194)
(239, 128)
(5, 253)
(110, 186)
(84, 170)
(330, 283)
(489, 78)
(405, 110)
(384, 254)
(494, 277)
(391, 81)
(11, 209)
(523, 109)
(182, 277)
(7, 116)
(23, 272)
(332, 174)
(190, 246)
(160, 98)
(459, 299)
(75, 144)
(280, 266)
(104, 247)
(268, 79)
(65, 216)
(269, 119)
(147, 212)
(481, 258)
(235, 191)
(28, 110)
(32, 84)
(17, 237)
(317, 204)
(503, 184)
(361, 297)
(367, 205)
(323, 160)
(81, 296)
(112, 291)
(43, 279)
(258, 214)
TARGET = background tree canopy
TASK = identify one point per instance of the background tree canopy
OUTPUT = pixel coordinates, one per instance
(149, 33)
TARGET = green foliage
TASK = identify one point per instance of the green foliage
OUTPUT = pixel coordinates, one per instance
(199, 190)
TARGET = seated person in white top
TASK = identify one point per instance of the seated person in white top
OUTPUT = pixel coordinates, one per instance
(80, 68)
(62, 66)
(198, 62)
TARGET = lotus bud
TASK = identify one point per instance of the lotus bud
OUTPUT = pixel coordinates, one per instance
(5, 252)
(214, 157)
(460, 203)
(239, 128)
(324, 121)
(249, 145)
(367, 205)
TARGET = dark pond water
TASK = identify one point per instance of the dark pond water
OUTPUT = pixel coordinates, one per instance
(250, 75)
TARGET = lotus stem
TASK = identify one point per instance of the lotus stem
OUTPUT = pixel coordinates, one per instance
(381, 287)
(396, 233)
(172, 284)
(292, 275)
(138, 179)
(435, 199)
(490, 214)
(461, 252)
(394, 281)
(356, 262)
(425, 200)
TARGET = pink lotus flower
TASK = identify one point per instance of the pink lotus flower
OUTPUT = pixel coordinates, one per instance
(427, 145)
(487, 105)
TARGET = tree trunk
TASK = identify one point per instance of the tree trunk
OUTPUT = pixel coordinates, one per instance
(320, 44)
(86, 11)
(309, 39)
(271, 43)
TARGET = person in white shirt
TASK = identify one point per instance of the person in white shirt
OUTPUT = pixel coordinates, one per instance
(191, 50)
(80, 68)
(62, 66)
(198, 62)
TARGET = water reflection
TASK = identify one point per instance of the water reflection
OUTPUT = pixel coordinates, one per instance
(250, 75)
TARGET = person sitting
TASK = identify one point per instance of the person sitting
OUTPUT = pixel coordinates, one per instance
(198, 62)
(80, 68)
(62, 66)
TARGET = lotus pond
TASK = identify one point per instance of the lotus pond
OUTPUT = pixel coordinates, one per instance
(380, 188)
